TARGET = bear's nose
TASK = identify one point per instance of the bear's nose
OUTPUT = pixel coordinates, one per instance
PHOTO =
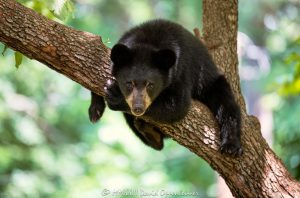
(138, 110)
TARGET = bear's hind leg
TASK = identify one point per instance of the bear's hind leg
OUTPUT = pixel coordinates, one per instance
(148, 133)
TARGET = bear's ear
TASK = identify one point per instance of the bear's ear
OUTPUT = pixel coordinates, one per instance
(164, 58)
(121, 54)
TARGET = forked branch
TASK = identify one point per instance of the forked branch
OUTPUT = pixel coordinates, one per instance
(82, 57)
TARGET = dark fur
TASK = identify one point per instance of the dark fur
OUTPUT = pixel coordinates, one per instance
(193, 76)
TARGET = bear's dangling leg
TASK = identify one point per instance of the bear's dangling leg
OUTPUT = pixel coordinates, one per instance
(96, 108)
(220, 100)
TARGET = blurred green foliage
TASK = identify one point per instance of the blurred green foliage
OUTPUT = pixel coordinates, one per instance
(276, 25)
(291, 85)
(286, 113)
(48, 148)
(53, 9)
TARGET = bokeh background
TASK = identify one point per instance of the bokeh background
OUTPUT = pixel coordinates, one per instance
(48, 147)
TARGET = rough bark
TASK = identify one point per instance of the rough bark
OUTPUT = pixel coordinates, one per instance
(82, 57)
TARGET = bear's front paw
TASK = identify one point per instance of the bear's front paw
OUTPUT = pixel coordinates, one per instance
(231, 146)
(113, 95)
(96, 108)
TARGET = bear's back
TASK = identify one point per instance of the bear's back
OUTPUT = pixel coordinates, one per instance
(158, 33)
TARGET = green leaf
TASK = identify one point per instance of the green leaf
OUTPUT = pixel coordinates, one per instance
(18, 59)
(297, 71)
(63, 9)
(297, 41)
(107, 41)
(4, 50)
(293, 57)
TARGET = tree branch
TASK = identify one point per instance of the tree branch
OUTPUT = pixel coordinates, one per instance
(82, 57)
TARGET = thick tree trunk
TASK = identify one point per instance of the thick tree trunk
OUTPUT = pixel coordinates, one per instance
(82, 57)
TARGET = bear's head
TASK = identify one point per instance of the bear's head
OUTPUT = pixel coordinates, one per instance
(142, 73)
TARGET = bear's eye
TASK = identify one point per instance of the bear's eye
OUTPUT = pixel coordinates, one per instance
(150, 86)
(129, 85)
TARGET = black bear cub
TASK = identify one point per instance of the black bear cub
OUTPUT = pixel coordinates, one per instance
(159, 68)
